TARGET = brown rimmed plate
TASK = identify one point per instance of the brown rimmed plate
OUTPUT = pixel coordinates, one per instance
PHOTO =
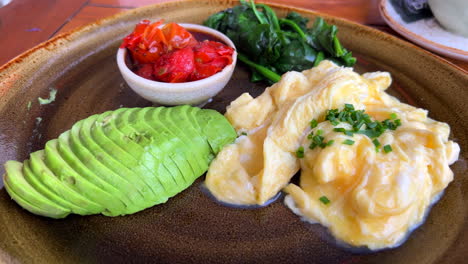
(192, 227)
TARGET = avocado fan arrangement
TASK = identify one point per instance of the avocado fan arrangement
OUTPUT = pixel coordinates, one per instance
(119, 162)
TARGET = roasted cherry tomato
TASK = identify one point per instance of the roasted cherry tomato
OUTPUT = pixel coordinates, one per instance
(174, 67)
(178, 37)
(172, 54)
(146, 42)
(210, 57)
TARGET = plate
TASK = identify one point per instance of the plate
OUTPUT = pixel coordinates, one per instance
(426, 32)
(192, 227)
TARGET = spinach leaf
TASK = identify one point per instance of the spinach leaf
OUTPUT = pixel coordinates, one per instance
(272, 46)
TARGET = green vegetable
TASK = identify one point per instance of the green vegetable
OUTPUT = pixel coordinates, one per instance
(119, 162)
(348, 142)
(52, 94)
(313, 123)
(324, 200)
(300, 152)
(387, 148)
(360, 121)
(272, 46)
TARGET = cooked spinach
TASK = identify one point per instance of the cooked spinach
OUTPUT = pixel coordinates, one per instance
(271, 46)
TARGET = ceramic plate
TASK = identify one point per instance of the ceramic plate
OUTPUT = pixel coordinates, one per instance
(192, 227)
(427, 33)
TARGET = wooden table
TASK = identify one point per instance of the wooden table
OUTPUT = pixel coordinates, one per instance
(26, 23)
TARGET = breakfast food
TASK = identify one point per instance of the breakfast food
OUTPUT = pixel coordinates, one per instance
(371, 166)
(119, 162)
(271, 46)
(172, 54)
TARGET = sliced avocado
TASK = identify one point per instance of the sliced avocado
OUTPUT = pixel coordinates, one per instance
(129, 183)
(23, 193)
(93, 157)
(127, 164)
(191, 152)
(216, 128)
(119, 162)
(194, 133)
(172, 145)
(72, 172)
(27, 205)
(181, 170)
(53, 183)
(39, 186)
(119, 130)
(156, 146)
(192, 113)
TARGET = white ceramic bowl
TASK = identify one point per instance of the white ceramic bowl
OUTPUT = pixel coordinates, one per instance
(193, 93)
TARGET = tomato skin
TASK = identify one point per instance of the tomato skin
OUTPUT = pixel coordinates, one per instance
(145, 71)
(210, 57)
(178, 37)
(175, 67)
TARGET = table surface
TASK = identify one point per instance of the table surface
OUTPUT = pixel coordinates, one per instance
(26, 23)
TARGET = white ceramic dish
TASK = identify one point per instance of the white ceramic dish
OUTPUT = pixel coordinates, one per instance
(193, 93)
(426, 32)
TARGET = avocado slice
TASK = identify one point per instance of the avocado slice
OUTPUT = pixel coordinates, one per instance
(27, 205)
(181, 171)
(72, 172)
(136, 152)
(192, 113)
(23, 193)
(157, 144)
(216, 128)
(53, 183)
(30, 177)
(191, 153)
(130, 154)
(93, 157)
(112, 156)
(172, 145)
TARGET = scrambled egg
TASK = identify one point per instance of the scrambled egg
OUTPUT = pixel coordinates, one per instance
(372, 198)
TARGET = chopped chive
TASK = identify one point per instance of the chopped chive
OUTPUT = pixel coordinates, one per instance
(329, 143)
(311, 135)
(349, 107)
(323, 145)
(300, 152)
(339, 129)
(324, 200)
(244, 134)
(312, 145)
(335, 123)
(393, 116)
(319, 132)
(313, 123)
(317, 139)
(348, 142)
(376, 143)
(349, 133)
(387, 148)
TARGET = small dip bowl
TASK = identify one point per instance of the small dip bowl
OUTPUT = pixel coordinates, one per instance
(193, 93)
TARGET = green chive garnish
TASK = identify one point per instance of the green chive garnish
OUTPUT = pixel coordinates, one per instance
(324, 200)
(313, 123)
(244, 134)
(376, 143)
(300, 152)
(329, 143)
(387, 148)
(348, 142)
(319, 132)
(393, 116)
